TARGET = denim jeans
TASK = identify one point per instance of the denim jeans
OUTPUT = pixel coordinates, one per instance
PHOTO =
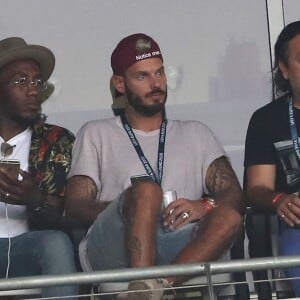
(106, 240)
(39, 253)
(289, 244)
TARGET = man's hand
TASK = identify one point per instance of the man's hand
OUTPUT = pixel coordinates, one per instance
(18, 192)
(183, 211)
(288, 209)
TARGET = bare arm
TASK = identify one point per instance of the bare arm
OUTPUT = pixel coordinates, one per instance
(260, 187)
(217, 230)
(81, 206)
(261, 192)
(223, 184)
(220, 227)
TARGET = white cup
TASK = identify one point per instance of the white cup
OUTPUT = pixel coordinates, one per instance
(168, 197)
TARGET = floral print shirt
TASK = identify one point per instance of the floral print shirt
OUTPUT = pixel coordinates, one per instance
(50, 157)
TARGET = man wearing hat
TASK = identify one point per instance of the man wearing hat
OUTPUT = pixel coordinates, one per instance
(127, 170)
(35, 159)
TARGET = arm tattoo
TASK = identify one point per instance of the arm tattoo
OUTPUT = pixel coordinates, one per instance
(134, 246)
(220, 177)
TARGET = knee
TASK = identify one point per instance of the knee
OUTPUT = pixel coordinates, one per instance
(227, 220)
(143, 192)
(56, 253)
(231, 227)
(235, 220)
(56, 244)
(146, 196)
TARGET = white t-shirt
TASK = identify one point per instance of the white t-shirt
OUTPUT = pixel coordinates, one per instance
(103, 152)
(15, 223)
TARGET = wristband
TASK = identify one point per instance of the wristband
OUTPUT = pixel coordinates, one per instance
(41, 203)
(209, 203)
(276, 198)
(40, 207)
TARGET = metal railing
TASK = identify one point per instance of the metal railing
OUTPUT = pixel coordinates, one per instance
(121, 275)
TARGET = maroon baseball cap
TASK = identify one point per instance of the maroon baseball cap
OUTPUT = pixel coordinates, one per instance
(131, 49)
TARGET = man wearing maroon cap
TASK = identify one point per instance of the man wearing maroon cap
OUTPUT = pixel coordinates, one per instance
(156, 191)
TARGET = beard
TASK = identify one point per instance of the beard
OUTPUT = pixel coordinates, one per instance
(146, 110)
(26, 121)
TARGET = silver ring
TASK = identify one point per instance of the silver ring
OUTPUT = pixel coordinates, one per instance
(6, 195)
(289, 204)
(185, 215)
(282, 216)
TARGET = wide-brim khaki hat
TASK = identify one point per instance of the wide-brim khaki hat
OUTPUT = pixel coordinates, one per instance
(15, 48)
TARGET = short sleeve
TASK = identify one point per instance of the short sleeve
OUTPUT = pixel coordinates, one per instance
(259, 148)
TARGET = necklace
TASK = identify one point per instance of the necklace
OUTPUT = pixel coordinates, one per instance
(7, 149)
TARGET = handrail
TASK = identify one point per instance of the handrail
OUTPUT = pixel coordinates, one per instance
(128, 274)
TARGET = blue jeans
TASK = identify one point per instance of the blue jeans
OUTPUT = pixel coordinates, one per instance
(107, 245)
(39, 253)
(289, 244)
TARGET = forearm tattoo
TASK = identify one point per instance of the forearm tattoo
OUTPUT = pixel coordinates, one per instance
(220, 176)
(134, 245)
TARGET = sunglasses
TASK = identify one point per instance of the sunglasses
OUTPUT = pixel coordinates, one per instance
(7, 149)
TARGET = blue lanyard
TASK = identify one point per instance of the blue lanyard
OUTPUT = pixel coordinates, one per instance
(293, 128)
(140, 153)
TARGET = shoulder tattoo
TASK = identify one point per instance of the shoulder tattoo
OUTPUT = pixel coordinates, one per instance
(220, 176)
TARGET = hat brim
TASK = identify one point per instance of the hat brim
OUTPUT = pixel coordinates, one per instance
(42, 55)
(48, 92)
